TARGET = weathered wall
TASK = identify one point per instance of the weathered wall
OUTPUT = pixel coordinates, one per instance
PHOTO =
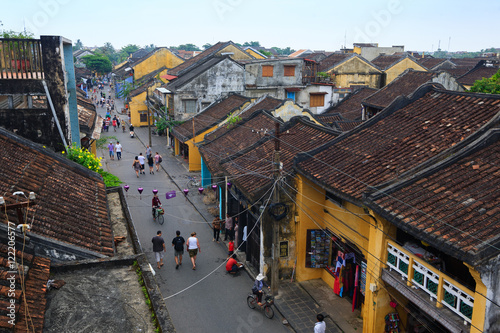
(370, 53)
(303, 97)
(491, 280)
(162, 57)
(218, 81)
(448, 81)
(356, 72)
(393, 72)
(237, 53)
(253, 73)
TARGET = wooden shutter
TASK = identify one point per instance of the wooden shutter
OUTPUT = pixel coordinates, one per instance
(267, 71)
(289, 70)
(317, 100)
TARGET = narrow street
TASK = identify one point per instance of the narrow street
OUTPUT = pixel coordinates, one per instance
(205, 299)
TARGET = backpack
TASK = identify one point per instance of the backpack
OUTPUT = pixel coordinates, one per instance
(179, 244)
(159, 159)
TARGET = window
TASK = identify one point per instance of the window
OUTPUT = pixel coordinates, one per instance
(317, 100)
(291, 95)
(267, 71)
(289, 70)
(143, 117)
(189, 106)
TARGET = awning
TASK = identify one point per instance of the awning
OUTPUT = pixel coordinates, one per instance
(292, 89)
(318, 93)
(168, 77)
(163, 90)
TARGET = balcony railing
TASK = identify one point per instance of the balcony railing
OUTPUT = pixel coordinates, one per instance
(20, 59)
(439, 286)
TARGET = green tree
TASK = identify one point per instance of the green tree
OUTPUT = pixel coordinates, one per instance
(207, 46)
(78, 45)
(252, 44)
(266, 53)
(488, 85)
(188, 47)
(126, 51)
(98, 63)
(17, 35)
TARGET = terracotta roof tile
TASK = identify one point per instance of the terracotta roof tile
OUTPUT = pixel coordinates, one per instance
(252, 169)
(456, 202)
(398, 139)
(178, 70)
(71, 200)
(350, 107)
(430, 63)
(384, 61)
(403, 85)
(228, 141)
(209, 117)
(332, 60)
(476, 74)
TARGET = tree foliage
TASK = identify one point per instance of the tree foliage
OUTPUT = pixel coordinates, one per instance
(17, 35)
(78, 45)
(98, 63)
(186, 47)
(207, 46)
(488, 85)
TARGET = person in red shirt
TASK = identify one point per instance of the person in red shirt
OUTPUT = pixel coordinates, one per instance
(230, 248)
(155, 202)
(233, 266)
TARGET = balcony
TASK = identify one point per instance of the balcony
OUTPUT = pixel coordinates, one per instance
(21, 59)
(448, 298)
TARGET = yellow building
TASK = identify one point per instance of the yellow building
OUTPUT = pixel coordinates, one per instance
(394, 65)
(254, 53)
(350, 70)
(160, 57)
(363, 204)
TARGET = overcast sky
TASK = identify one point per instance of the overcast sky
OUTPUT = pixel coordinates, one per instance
(305, 24)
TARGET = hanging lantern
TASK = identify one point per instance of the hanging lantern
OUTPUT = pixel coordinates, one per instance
(126, 187)
(155, 191)
(200, 189)
(214, 187)
(229, 185)
(186, 191)
(140, 189)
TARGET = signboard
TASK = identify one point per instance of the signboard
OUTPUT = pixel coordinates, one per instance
(362, 278)
(284, 249)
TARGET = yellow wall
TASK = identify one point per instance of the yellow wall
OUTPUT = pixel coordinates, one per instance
(238, 54)
(254, 54)
(356, 72)
(357, 50)
(162, 57)
(400, 67)
(136, 105)
(352, 224)
(479, 311)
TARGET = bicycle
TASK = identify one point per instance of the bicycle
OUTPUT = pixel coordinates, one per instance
(193, 182)
(158, 213)
(252, 302)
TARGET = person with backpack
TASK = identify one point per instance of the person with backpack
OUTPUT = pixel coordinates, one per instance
(158, 160)
(178, 244)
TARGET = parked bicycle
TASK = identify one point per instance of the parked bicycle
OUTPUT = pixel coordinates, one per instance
(158, 213)
(193, 182)
(253, 302)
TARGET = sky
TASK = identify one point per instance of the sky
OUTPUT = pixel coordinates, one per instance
(328, 25)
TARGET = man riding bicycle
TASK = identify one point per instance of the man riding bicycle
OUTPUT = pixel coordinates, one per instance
(257, 287)
(156, 204)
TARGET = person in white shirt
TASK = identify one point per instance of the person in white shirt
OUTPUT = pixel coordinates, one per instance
(320, 326)
(142, 159)
(193, 247)
(118, 150)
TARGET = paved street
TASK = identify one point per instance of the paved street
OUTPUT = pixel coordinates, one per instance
(205, 299)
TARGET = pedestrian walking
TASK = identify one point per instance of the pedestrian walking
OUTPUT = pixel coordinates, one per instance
(111, 148)
(148, 151)
(137, 166)
(158, 248)
(229, 227)
(158, 160)
(118, 150)
(142, 160)
(114, 124)
(230, 248)
(320, 326)
(193, 247)
(107, 124)
(216, 226)
(178, 244)
(151, 164)
(236, 234)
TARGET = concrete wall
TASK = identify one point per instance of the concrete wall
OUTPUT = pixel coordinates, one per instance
(448, 81)
(370, 53)
(218, 81)
(253, 73)
(303, 97)
(490, 279)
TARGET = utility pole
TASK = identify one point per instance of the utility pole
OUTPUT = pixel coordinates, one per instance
(276, 199)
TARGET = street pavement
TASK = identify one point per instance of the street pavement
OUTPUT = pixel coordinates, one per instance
(202, 300)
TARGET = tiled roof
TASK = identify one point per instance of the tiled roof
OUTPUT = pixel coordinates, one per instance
(86, 114)
(398, 139)
(209, 117)
(35, 289)
(328, 118)
(346, 126)
(145, 80)
(71, 200)
(298, 53)
(332, 60)
(457, 72)
(350, 107)
(430, 63)
(403, 85)
(453, 205)
(252, 169)
(194, 61)
(477, 73)
(227, 141)
(385, 61)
